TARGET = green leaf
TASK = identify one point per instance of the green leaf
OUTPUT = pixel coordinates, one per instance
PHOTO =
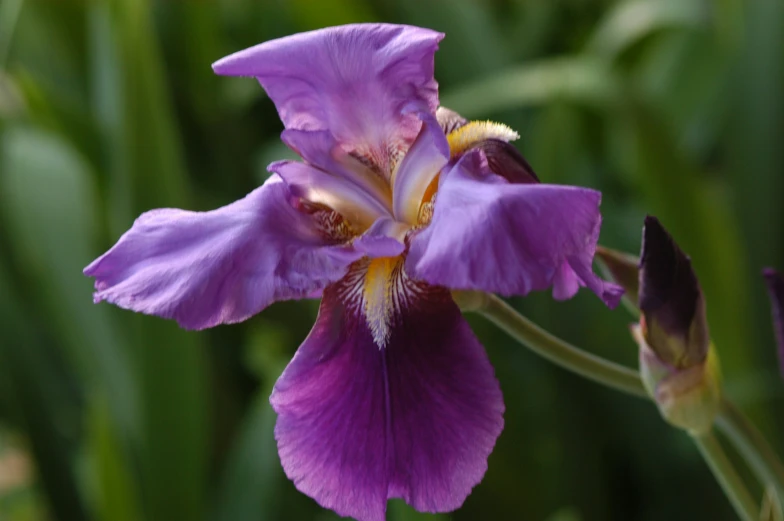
(582, 80)
(146, 170)
(631, 22)
(695, 209)
(115, 494)
(252, 475)
(38, 402)
(48, 203)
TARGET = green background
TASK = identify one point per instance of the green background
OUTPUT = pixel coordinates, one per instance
(110, 108)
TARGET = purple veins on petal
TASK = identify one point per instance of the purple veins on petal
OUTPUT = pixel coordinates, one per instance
(416, 419)
(208, 268)
(491, 235)
(776, 289)
(353, 80)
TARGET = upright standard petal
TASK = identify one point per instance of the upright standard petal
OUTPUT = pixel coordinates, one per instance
(423, 162)
(487, 234)
(776, 289)
(321, 149)
(359, 207)
(209, 268)
(352, 80)
(416, 419)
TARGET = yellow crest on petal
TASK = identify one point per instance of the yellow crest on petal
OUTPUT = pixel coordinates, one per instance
(378, 296)
(475, 132)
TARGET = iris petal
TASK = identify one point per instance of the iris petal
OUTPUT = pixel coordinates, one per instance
(209, 268)
(384, 239)
(491, 235)
(424, 160)
(319, 148)
(316, 186)
(416, 419)
(352, 80)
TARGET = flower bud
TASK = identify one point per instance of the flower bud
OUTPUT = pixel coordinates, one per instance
(678, 366)
(776, 289)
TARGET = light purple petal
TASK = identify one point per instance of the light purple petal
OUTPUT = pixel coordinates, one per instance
(209, 268)
(384, 239)
(319, 148)
(352, 80)
(423, 162)
(416, 419)
(491, 235)
(316, 186)
(776, 289)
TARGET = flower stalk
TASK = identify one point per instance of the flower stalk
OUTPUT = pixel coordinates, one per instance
(731, 483)
(752, 445)
(749, 442)
(558, 351)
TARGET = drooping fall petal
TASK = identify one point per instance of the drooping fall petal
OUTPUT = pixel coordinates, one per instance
(416, 419)
(491, 235)
(208, 268)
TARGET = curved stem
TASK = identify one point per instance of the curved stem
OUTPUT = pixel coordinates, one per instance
(556, 350)
(752, 445)
(739, 430)
(728, 478)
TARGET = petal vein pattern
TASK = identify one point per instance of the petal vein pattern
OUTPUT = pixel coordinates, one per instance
(352, 80)
(490, 235)
(415, 420)
(222, 266)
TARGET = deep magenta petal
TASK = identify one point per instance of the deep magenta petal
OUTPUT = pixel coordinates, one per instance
(353, 80)
(417, 419)
(208, 268)
(491, 235)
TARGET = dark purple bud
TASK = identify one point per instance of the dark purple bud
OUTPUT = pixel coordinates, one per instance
(776, 289)
(505, 160)
(623, 269)
(449, 119)
(671, 300)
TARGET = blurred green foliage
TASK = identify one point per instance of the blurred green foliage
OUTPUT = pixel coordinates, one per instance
(109, 108)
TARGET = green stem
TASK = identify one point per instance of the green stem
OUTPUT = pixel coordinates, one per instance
(739, 430)
(556, 350)
(728, 478)
(752, 445)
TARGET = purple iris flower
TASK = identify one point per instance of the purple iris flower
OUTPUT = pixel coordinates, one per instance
(395, 203)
